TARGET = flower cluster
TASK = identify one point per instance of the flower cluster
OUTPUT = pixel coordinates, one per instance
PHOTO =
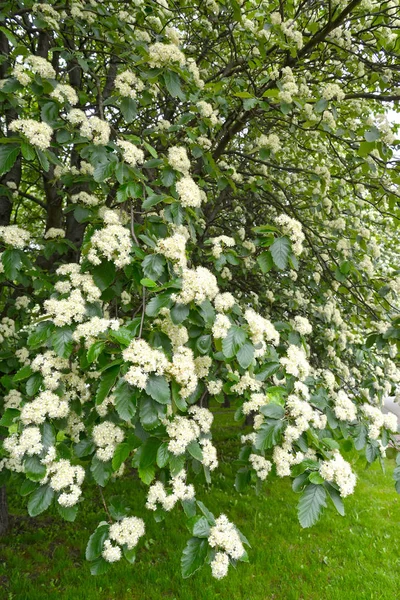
(339, 471)
(33, 65)
(221, 326)
(128, 84)
(378, 420)
(131, 153)
(296, 362)
(225, 537)
(64, 92)
(157, 493)
(106, 436)
(183, 370)
(64, 477)
(344, 408)
(173, 248)
(46, 404)
(113, 242)
(161, 55)
(178, 159)
(261, 465)
(15, 236)
(293, 229)
(219, 242)
(38, 133)
(145, 360)
(92, 128)
(189, 192)
(198, 285)
(126, 533)
(261, 329)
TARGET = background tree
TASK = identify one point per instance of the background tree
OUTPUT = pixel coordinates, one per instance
(195, 200)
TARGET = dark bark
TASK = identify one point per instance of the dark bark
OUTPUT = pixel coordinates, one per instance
(4, 520)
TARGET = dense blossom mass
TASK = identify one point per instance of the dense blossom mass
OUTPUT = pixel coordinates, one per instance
(199, 206)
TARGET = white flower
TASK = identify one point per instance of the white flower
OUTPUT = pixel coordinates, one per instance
(132, 154)
(189, 192)
(219, 565)
(38, 133)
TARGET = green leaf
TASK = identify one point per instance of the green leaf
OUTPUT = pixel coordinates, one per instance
(68, 513)
(311, 503)
(195, 450)
(123, 336)
(242, 480)
(148, 413)
(40, 500)
(321, 105)
(193, 556)
(201, 528)
(125, 401)
(130, 555)
(84, 448)
(245, 355)
(49, 113)
(268, 435)
(99, 566)
(8, 155)
(265, 261)
(33, 468)
(147, 474)
(12, 262)
(234, 340)
(280, 251)
(157, 303)
(179, 313)
(128, 108)
(335, 497)
(149, 452)
(8, 417)
(372, 135)
(94, 351)
(22, 374)
(365, 148)
(121, 453)
(163, 455)
(104, 274)
(106, 383)
(41, 334)
(203, 344)
(158, 388)
(153, 266)
(96, 541)
(273, 411)
(61, 340)
(173, 85)
(101, 471)
(152, 200)
(33, 384)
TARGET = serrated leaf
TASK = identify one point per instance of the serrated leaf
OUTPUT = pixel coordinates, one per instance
(8, 417)
(148, 413)
(173, 85)
(245, 355)
(62, 342)
(234, 340)
(158, 388)
(68, 513)
(128, 108)
(153, 266)
(179, 313)
(8, 155)
(22, 374)
(195, 450)
(40, 500)
(125, 401)
(201, 528)
(101, 471)
(104, 274)
(34, 469)
(99, 566)
(265, 261)
(96, 541)
(107, 381)
(12, 262)
(193, 556)
(157, 303)
(33, 384)
(149, 452)
(121, 453)
(273, 411)
(163, 455)
(335, 497)
(268, 435)
(280, 251)
(94, 351)
(311, 503)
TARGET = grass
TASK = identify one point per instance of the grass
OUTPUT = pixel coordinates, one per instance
(353, 557)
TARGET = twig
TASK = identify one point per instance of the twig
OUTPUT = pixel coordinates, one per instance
(132, 226)
(143, 309)
(104, 504)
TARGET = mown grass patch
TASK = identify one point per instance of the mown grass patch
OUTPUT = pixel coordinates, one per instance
(353, 557)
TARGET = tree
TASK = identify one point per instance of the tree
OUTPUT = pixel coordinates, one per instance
(197, 200)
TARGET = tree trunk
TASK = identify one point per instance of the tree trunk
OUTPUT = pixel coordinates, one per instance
(4, 521)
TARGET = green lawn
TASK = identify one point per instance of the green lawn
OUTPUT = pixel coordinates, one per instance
(354, 557)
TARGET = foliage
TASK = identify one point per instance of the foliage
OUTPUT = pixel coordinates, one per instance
(195, 200)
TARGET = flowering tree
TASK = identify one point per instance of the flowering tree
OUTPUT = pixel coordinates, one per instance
(196, 200)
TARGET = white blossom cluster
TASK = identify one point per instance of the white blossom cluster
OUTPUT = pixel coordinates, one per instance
(161, 55)
(92, 328)
(46, 404)
(63, 92)
(284, 458)
(260, 328)
(65, 311)
(64, 477)
(190, 195)
(182, 432)
(214, 387)
(256, 401)
(128, 84)
(198, 285)
(178, 334)
(296, 362)
(339, 471)
(219, 242)
(304, 415)
(15, 236)
(131, 153)
(271, 141)
(183, 370)
(145, 360)
(261, 465)
(344, 408)
(107, 436)
(126, 532)
(92, 128)
(378, 420)
(247, 382)
(112, 242)
(173, 248)
(178, 159)
(157, 493)
(33, 65)
(85, 198)
(38, 133)
(302, 325)
(293, 229)
(224, 536)
(13, 399)
(54, 232)
(224, 302)
(50, 366)
(221, 326)
(82, 281)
